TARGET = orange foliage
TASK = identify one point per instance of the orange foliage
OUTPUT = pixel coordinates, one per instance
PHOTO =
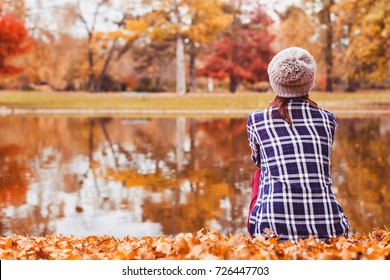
(205, 245)
(14, 176)
(13, 41)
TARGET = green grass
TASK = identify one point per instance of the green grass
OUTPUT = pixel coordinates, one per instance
(365, 100)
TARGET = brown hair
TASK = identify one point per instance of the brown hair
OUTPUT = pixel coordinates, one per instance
(281, 103)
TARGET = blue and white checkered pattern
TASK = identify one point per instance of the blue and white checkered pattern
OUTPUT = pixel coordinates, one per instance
(295, 198)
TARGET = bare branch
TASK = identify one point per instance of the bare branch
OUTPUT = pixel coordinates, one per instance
(80, 15)
(95, 14)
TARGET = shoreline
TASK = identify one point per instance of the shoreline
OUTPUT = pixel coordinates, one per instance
(365, 103)
(6, 111)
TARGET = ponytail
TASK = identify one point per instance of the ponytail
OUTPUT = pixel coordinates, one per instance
(281, 103)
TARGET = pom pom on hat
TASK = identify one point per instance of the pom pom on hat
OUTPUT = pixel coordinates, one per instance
(292, 72)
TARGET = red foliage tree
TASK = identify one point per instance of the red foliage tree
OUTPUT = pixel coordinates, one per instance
(14, 40)
(243, 54)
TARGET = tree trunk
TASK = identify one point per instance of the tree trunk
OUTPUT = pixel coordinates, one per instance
(91, 65)
(103, 122)
(91, 75)
(233, 82)
(105, 67)
(180, 67)
(180, 138)
(91, 160)
(158, 82)
(192, 72)
(210, 84)
(328, 46)
(351, 85)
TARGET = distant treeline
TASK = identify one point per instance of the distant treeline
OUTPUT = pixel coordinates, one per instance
(189, 45)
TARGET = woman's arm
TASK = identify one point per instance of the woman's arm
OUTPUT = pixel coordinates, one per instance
(253, 140)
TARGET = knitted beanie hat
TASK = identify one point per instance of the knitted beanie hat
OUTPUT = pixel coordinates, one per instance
(291, 72)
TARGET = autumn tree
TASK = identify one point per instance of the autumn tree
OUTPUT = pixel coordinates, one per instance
(348, 38)
(314, 25)
(326, 20)
(286, 36)
(95, 79)
(207, 20)
(297, 28)
(14, 41)
(243, 53)
(161, 22)
(151, 60)
(365, 26)
(15, 8)
(323, 16)
(103, 45)
(345, 18)
(58, 58)
(187, 22)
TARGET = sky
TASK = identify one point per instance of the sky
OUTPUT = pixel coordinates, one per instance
(47, 10)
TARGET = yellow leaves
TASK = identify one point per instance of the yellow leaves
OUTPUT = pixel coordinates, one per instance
(163, 32)
(200, 21)
(137, 25)
(181, 243)
(368, 50)
(208, 19)
(223, 189)
(9, 244)
(205, 245)
(387, 238)
(150, 181)
(134, 29)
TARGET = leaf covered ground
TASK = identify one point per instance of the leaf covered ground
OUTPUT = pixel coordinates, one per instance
(203, 245)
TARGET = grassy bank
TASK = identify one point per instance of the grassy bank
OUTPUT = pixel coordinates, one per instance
(364, 100)
(203, 245)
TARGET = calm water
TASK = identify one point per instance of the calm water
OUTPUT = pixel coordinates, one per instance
(124, 176)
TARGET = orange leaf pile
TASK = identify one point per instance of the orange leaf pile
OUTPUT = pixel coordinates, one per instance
(203, 245)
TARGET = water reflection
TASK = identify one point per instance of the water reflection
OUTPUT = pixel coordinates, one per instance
(155, 176)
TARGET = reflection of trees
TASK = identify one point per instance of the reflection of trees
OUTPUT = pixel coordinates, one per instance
(46, 145)
(361, 168)
(226, 143)
(14, 176)
(208, 182)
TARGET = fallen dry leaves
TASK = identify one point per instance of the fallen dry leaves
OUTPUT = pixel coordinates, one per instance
(203, 245)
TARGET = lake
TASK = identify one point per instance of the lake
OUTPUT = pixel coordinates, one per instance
(154, 176)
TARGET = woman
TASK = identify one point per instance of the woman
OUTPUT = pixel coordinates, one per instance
(291, 143)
